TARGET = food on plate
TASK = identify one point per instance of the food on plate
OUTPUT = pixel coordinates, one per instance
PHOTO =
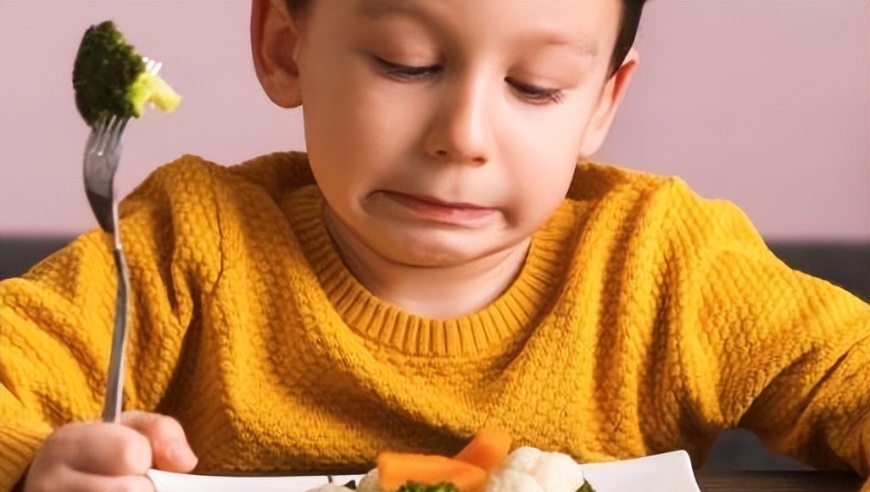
(484, 465)
(398, 469)
(111, 79)
(529, 469)
(441, 487)
(489, 447)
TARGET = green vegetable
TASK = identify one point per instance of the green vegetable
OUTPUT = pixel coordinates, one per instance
(111, 79)
(416, 487)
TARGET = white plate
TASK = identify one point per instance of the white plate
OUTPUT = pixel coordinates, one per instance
(666, 472)
(180, 482)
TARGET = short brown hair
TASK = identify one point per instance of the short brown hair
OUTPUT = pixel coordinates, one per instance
(628, 25)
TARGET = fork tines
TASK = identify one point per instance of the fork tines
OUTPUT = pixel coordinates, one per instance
(151, 66)
(107, 132)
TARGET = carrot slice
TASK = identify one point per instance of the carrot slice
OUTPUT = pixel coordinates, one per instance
(489, 447)
(397, 469)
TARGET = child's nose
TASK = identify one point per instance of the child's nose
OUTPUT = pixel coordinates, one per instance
(460, 131)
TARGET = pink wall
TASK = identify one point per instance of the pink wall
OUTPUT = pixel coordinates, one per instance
(762, 103)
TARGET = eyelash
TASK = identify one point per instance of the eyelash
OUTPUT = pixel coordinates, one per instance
(409, 73)
(405, 72)
(536, 94)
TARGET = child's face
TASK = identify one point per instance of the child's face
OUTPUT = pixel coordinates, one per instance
(441, 132)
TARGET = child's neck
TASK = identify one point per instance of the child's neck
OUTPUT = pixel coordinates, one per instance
(431, 292)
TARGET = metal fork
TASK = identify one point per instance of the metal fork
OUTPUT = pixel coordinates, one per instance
(101, 158)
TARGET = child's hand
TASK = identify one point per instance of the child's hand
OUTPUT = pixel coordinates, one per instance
(97, 456)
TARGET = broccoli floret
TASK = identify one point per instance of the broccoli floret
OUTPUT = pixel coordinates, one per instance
(110, 78)
(416, 487)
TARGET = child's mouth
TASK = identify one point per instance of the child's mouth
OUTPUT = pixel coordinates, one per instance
(437, 210)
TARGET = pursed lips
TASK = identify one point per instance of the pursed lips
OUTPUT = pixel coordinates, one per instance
(434, 209)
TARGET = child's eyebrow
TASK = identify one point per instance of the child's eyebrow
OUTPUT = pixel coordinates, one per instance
(374, 9)
(581, 45)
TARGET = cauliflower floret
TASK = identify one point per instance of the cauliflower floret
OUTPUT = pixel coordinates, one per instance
(507, 480)
(370, 482)
(529, 469)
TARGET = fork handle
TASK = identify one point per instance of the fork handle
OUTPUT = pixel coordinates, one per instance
(115, 380)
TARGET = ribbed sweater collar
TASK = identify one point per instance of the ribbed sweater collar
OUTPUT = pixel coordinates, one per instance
(512, 315)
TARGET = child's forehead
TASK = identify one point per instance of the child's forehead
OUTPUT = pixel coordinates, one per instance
(589, 19)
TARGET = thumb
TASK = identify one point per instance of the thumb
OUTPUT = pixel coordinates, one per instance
(169, 446)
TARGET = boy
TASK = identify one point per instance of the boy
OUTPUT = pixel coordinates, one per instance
(434, 280)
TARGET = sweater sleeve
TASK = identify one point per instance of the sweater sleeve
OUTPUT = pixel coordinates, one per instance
(56, 320)
(769, 348)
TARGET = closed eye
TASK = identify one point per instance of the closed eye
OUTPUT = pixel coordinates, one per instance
(536, 94)
(408, 73)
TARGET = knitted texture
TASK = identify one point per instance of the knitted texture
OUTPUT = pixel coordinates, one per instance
(645, 319)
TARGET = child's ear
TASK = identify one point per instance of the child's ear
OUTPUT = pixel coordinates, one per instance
(274, 45)
(611, 95)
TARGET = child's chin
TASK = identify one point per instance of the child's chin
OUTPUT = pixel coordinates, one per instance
(433, 255)
(442, 255)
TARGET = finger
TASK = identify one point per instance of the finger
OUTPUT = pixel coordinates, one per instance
(76, 481)
(169, 446)
(100, 448)
(85, 482)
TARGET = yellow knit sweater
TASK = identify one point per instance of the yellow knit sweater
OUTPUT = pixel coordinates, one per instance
(645, 319)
